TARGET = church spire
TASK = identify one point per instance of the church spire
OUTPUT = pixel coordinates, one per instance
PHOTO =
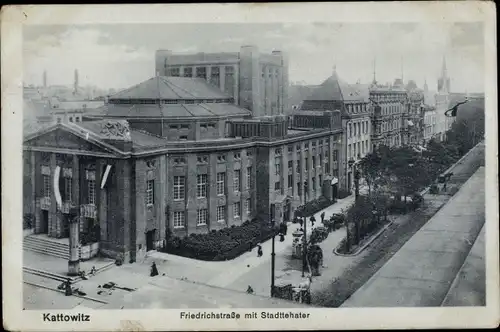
(374, 82)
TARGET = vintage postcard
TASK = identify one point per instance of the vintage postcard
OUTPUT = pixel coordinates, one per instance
(272, 166)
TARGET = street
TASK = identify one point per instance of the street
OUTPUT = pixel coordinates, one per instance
(364, 266)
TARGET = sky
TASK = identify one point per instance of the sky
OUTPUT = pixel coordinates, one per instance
(120, 55)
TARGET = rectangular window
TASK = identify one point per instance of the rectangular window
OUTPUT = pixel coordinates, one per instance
(248, 206)
(215, 76)
(229, 80)
(46, 186)
(313, 183)
(188, 72)
(313, 162)
(150, 190)
(277, 185)
(320, 178)
(202, 217)
(201, 72)
(237, 180)
(249, 177)
(237, 209)
(201, 185)
(290, 165)
(290, 180)
(68, 195)
(221, 183)
(221, 213)
(175, 71)
(306, 163)
(299, 189)
(277, 165)
(179, 219)
(91, 191)
(327, 167)
(179, 187)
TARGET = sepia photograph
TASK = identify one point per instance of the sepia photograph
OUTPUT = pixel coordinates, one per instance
(244, 172)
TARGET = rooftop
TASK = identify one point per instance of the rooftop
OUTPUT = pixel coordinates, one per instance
(171, 88)
(334, 88)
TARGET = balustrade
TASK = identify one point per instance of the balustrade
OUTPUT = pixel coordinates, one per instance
(45, 203)
(88, 211)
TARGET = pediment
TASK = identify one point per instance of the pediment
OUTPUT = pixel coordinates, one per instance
(66, 140)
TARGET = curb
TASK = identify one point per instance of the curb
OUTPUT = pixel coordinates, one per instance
(62, 292)
(359, 250)
(60, 277)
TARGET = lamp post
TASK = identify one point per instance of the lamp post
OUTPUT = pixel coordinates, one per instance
(304, 245)
(356, 175)
(273, 254)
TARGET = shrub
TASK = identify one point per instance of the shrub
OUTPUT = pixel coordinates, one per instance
(312, 207)
(343, 193)
(223, 244)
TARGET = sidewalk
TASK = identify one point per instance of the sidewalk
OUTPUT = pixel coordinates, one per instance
(226, 273)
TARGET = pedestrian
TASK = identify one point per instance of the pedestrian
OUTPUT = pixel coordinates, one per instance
(250, 289)
(67, 290)
(92, 271)
(154, 270)
(301, 222)
(285, 228)
(259, 250)
(323, 217)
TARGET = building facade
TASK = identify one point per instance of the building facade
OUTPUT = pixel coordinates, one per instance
(255, 80)
(413, 119)
(390, 103)
(352, 101)
(176, 154)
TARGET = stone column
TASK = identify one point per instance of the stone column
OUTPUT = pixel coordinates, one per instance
(74, 247)
(53, 204)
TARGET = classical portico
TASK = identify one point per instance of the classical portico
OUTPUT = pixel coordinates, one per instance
(77, 174)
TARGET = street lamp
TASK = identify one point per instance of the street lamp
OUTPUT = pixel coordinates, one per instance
(352, 165)
(304, 245)
(273, 253)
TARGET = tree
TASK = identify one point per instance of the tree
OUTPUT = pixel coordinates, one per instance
(370, 167)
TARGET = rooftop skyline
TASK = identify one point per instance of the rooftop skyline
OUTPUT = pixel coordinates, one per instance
(121, 55)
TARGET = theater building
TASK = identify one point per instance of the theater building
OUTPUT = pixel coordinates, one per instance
(174, 153)
(256, 81)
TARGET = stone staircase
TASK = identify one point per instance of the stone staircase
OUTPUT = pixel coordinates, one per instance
(46, 246)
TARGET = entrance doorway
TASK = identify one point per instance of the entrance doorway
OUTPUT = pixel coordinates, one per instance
(349, 180)
(334, 192)
(150, 236)
(286, 211)
(44, 222)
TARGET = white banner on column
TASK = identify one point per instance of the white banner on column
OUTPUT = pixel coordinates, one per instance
(56, 186)
(105, 176)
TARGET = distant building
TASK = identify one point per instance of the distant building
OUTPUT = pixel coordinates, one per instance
(352, 101)
(256, 81)
(413, 118)
(443, 123)
(389, 106)
(175, 153)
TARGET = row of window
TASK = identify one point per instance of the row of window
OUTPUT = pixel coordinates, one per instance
(357, 108)
(202, 184)
(169, 101)
(358, 128)
(270, 71)
(205, 158)
(200, 71)
(66, 193)
(179, 217)
(361, 148)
